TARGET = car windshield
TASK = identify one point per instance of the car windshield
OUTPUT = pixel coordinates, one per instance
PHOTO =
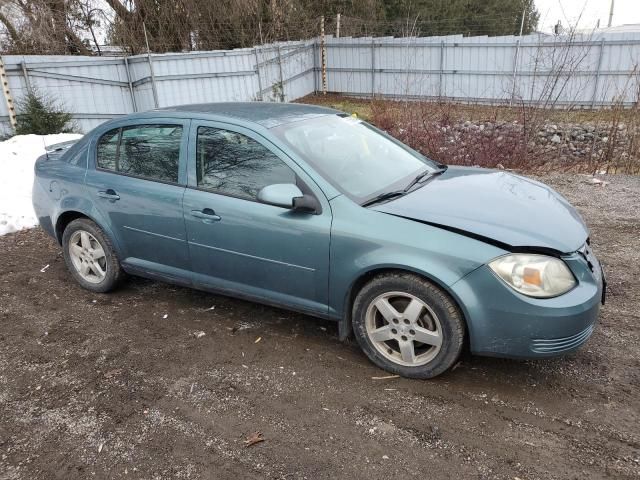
(356, 158)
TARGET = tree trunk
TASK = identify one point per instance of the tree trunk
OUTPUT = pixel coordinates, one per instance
(120, 9)
(13, 33)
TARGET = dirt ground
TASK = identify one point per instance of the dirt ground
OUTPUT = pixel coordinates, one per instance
(118, 385)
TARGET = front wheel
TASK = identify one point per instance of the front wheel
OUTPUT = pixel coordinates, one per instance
(90, 256)
(408, 326)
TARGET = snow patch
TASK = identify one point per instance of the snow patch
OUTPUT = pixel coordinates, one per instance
(17, 157)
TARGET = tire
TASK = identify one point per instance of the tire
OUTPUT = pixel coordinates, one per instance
(83, 243)
(391, 337)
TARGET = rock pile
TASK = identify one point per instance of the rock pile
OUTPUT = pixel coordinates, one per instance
(568, 141)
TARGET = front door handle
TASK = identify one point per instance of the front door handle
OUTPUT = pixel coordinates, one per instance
(109, 194)
(206, 214)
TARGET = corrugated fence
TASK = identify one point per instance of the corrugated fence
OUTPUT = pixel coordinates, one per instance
(584, 71)
(95, 89)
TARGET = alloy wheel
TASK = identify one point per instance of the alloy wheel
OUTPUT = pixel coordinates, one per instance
(88, 256)
(403, 329)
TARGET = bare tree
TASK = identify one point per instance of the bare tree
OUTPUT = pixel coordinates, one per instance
(40, 26)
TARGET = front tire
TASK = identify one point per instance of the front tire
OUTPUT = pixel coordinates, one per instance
(408, 326)
(90, 256)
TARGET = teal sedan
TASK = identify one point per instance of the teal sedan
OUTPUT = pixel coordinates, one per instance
(313, 210)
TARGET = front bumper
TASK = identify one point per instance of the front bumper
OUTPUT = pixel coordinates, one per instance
(505, 323)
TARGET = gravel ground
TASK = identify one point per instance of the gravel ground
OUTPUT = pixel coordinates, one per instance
(121, 385)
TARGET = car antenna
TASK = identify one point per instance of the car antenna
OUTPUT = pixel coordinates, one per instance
(44, 144)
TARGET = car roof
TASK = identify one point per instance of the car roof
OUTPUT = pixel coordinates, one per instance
(266, 114)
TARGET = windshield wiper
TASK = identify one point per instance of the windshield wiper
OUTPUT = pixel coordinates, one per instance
(383, 196)
(424, 176)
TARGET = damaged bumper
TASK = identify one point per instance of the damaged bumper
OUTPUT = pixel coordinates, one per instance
(504, 323)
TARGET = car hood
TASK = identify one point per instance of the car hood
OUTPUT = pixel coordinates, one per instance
(494, 205)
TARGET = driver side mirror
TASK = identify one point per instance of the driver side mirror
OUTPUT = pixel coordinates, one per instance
(288, 195)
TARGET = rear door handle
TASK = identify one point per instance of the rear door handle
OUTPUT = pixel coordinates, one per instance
(109, 194)
(206, 214)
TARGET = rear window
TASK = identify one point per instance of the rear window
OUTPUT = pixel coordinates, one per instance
(147, 151)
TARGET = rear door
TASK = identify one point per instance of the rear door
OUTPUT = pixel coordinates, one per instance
(243, 246)
(137, 182)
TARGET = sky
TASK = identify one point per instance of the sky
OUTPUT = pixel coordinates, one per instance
(568, 12)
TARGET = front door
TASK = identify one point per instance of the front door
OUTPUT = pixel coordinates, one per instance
(137, 183)
(248, 248)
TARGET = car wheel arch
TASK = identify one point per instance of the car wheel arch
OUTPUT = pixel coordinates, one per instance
(68, 216)
(345, 327)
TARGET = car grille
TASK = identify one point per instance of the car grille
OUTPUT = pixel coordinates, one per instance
(588, 255)
(558, 345)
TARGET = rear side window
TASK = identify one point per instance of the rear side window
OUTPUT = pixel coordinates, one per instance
(77, 155)
(147, 151)
(233, 164)
(108, 150)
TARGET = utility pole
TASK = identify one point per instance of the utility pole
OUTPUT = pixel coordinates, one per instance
(524, 12)
(611, 12)
(338, 26)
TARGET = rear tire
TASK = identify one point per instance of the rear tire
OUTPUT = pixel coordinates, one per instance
(408, 326)
(90, 256)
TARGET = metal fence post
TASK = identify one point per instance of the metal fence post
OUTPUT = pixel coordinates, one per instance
(441, 72)
(596, 81)
(535, 74)
(11, 110)
(315, 65)
(454, 45)
(515, 72)
(153, 77)
(255, 53)
(131, 92)
(27, 81)
(373, 68)
(282, 95)
(323, 54)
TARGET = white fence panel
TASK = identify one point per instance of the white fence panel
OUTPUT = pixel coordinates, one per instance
(585, 71)
(93, 89)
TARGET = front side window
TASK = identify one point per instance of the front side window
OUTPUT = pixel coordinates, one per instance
(233, 164)
(147, 151)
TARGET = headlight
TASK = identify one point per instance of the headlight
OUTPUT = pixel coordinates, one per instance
(534, 275)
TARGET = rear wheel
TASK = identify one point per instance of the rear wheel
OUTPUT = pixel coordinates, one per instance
(408, 326)
(90, 256)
